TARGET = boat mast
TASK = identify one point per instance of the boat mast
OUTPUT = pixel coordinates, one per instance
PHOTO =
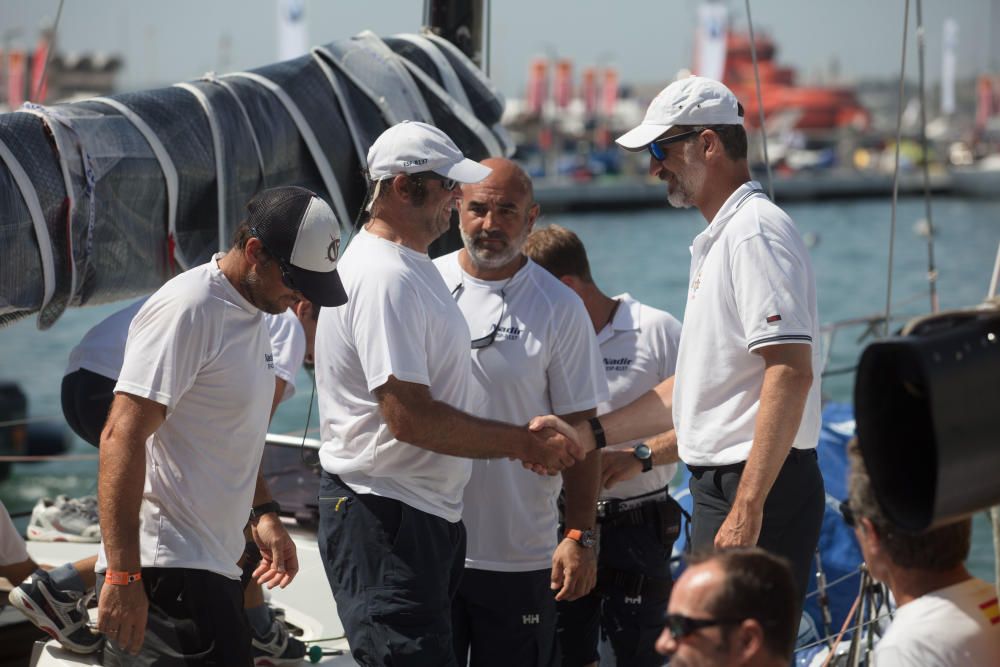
(464, 23)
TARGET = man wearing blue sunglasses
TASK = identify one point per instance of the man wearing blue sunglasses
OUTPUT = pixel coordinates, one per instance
(743, 400)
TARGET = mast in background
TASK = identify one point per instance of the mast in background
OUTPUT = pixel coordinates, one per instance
(464, 23)
(293, 31)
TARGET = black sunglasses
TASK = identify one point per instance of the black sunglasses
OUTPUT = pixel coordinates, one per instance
(656, 148)
(487, 340)
(681, 626)
(448, 184)
(286, 276)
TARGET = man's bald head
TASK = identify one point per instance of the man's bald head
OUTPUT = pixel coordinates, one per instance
(507, 175)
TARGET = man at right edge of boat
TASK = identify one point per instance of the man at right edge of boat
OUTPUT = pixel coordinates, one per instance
(745, 399)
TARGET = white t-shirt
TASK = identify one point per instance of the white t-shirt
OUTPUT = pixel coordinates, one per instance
(102, 348)
(955, 626)
(639, 346)
(288, 346)
(543, 360)
(751, 285)
(12, 548)
(199, 348)
(401, 321)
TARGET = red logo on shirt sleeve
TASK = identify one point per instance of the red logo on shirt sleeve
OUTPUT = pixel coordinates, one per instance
(771, 319)
(991, 610)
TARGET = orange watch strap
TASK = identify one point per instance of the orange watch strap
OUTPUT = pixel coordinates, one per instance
(574, 534)
(121, 578)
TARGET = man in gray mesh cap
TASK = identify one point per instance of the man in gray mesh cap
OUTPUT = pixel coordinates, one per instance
(181, 450)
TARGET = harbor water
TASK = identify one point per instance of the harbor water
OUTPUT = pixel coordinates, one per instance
(641, 252)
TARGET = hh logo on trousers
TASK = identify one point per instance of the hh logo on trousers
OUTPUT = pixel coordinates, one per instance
(531, 619)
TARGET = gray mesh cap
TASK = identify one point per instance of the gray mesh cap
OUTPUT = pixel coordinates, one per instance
(300, 230)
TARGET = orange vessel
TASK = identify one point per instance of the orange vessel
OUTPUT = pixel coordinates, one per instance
(819, 108)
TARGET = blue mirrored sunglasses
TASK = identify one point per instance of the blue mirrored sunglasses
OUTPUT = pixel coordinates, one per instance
(656, 148)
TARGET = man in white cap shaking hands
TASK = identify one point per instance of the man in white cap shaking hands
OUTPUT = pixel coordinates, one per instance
(392, 370)
(745, 398)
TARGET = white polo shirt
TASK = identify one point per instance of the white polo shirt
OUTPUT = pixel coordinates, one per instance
(200, 349)
(544, 359)
(102, 348)
(399, 320)
(639, 346)
(751, 285)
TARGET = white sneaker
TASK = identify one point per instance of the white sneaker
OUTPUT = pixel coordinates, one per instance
(65, 522)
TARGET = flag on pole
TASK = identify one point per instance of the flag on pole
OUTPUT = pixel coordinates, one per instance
(17, 64)
(948, 67)
(39, 79)
(710, 41)
(293, 34)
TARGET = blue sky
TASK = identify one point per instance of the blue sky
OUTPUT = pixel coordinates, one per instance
(647, 40)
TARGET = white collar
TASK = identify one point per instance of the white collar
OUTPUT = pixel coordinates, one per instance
(626, 317)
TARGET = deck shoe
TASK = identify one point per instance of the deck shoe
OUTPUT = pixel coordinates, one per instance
(87, 504)
(66, 521)
(62, 614)
(277, 647)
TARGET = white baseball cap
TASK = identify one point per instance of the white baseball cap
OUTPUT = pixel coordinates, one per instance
(691, 101)
(410, 147)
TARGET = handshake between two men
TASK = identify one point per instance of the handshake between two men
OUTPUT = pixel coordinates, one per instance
(555, 446)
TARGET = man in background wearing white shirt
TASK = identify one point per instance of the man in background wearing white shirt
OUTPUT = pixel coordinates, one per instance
(638, 519)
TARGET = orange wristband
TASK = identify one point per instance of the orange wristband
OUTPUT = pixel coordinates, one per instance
(120, 578)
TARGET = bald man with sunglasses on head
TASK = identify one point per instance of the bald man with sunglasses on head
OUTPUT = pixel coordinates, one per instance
(533, 351)
(397, 424)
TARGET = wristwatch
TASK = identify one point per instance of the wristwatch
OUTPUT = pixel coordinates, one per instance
(264, 508)
(586, 538)
(599, 440)
(645, 455)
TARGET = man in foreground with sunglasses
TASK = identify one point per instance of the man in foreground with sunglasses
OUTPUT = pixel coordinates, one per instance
(945, 617)
(734, 608)
(181, 450)
(533, 352)
(743, 400)
(393, 377)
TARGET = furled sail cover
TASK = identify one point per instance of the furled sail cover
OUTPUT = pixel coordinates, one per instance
(107, 198)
